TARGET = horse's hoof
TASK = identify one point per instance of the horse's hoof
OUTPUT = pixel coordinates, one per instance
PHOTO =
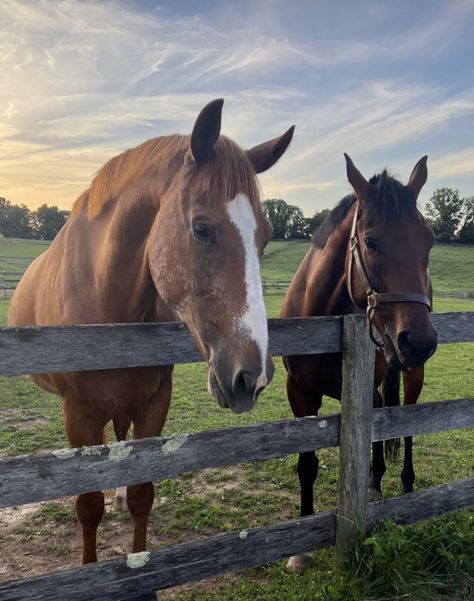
(121, 499)
(299, 563)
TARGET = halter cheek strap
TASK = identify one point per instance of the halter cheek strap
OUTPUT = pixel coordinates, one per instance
(374, 298)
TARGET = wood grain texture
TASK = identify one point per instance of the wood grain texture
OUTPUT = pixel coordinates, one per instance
(93, 347)
(188, 562)
(425, 418)
(112, 346)
(358, 359)
(196, 560)
(30, 478)
(454, 327)
(72, 471)
(424, 504)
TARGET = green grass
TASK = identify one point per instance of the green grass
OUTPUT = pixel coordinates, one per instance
(16, 247)
(281, 259)
(414, 566)
(451, 265)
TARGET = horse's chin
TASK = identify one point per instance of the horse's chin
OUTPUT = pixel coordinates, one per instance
(215, 391)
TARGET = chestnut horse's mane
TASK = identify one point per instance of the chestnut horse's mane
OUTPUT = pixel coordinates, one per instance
(391, 200)
(227, 173)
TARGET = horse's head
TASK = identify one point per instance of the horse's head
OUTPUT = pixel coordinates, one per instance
(388, 254)
(204, 255)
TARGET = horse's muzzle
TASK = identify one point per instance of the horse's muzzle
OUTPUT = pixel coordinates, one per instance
(410, 350)
(238, 392)
(416, 350)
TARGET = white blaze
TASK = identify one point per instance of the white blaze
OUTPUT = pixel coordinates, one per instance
(253, 321)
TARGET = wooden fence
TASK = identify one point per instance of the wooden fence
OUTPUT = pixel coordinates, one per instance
(71, 471)
(9, 281)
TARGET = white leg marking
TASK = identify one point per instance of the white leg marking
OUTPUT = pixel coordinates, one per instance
(121, 498)
(253, 321)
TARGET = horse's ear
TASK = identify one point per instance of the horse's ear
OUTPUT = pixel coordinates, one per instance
(356, 179)
(206, 130)
(418, 176)
(267, 154)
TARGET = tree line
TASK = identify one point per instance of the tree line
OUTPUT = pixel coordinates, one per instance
(18, 221)
(450, 217)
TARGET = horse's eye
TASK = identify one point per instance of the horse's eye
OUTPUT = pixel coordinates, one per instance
(201, 232)
(370, 243)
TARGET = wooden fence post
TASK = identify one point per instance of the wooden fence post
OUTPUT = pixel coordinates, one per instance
(358, 356)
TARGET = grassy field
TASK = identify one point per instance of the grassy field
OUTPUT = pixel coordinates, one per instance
(451, 265)
(429, 561)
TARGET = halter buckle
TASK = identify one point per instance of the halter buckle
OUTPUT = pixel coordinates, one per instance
(353, 243)
(372, 299)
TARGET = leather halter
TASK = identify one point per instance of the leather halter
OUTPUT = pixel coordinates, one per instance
(374, 298)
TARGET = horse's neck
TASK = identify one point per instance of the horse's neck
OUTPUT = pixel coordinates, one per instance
(326, 291)
(112, 264)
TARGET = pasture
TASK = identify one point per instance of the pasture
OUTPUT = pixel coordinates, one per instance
(46, 536)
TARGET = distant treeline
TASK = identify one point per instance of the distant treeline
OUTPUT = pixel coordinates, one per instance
(18, 221)
(450, 217)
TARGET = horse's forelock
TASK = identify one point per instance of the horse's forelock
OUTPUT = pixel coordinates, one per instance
(390, 200)
(226, 174)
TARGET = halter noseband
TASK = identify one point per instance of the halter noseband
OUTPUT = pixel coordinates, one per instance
(374, 298)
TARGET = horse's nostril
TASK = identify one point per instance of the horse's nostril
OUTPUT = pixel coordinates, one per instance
(416, 349)
(405, 345)
(244, 384)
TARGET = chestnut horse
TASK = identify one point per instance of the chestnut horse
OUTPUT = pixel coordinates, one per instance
(171, 227)
(371, 253)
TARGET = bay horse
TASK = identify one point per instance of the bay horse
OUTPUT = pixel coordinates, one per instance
(173, 227)
(370, 254)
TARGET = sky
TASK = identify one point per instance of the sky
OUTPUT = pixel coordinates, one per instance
(386, 82)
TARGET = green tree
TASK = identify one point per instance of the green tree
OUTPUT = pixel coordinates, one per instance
(15, 220)
(466, 231)
(315, 221)
(297, 226)
(444, 213)
(48, 221)
(285, 218)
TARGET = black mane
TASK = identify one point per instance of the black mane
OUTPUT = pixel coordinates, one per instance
(390, 200)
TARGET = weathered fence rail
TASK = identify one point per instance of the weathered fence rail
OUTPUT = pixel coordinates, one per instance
(71, 471)
(9, 280)
(192, 561)
(92, 347)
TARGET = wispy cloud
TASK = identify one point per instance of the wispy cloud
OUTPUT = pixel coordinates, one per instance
(457, 163)
(82, 81)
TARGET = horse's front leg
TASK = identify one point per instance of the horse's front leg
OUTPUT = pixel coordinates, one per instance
(307, 462)
(84, 430)
(377, 467)
(122, 424)
(412, 386)
(148, 420)
(308, 465)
